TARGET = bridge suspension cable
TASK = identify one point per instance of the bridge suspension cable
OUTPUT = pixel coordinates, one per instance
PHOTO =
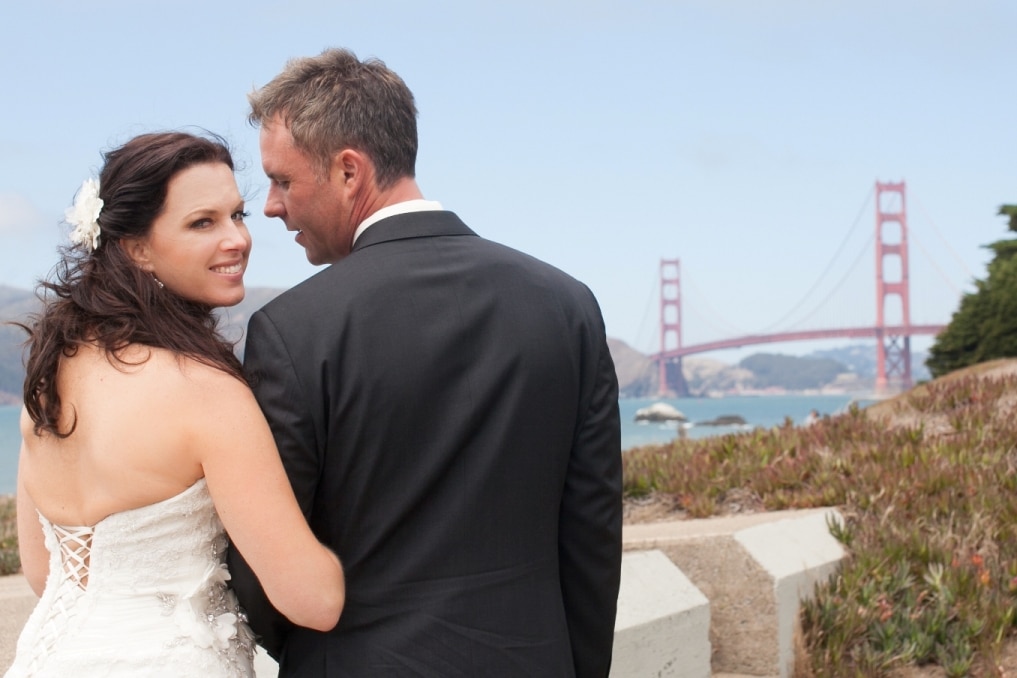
(648, 325)
(935, 265)
(724, 325)
(829, 267)
(946, 243)
(893, 337)
(836, 288)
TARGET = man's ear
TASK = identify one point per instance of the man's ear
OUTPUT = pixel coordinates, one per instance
(350, 168)
(137, 250)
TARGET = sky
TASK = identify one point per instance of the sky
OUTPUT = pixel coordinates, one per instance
(743, 137)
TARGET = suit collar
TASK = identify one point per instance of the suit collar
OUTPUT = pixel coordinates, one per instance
(412, 225)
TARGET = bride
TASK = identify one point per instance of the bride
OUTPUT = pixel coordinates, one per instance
(142, 440)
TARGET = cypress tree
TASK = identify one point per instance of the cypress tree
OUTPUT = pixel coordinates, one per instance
(984, 327)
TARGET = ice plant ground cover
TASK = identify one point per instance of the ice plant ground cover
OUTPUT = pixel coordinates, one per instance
(927, 484)
(9, 560)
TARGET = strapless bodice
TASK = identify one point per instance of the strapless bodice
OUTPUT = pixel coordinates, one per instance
(142, 592)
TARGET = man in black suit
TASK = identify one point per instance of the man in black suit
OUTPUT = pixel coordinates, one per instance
(446, 408)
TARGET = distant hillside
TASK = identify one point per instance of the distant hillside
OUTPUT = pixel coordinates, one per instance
(758, 373)
(861, 360)
(792, 373)
(849, 369)
(11, 372)
(17, 304)
(236, 317)
(636, 373)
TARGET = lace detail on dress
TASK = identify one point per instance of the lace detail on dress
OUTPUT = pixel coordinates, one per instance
(209, 616)
(143, 592)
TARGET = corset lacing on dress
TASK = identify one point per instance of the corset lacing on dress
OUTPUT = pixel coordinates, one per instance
(75, 545)
(142, 592)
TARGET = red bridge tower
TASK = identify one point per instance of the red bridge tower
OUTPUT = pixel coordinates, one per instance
(893, 337)
(671, 380)
(893, 351)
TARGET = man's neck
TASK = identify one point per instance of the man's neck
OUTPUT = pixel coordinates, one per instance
(402, 190)
(403, 197)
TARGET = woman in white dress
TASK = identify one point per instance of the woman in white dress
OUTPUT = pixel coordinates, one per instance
(142, 440)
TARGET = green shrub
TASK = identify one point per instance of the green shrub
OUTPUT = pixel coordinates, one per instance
(10, 562)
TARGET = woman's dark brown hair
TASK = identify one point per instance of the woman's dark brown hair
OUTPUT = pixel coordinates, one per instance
(102, 298)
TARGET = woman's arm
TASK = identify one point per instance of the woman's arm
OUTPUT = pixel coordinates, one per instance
(31, 541)
(301, 577)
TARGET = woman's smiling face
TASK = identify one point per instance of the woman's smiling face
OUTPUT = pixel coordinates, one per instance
(198, 246)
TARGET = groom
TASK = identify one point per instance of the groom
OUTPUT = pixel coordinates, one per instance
(446, 408)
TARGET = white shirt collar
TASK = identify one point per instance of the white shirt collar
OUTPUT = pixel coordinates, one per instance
(418, 205)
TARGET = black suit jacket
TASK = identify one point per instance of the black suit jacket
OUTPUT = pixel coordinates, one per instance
(447, 411)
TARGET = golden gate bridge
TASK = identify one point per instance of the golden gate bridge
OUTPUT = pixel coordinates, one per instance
(893, 339)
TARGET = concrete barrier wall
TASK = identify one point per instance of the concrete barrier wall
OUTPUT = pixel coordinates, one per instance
(698, 597)
(754, 570)
(796, 554)
(663, 621)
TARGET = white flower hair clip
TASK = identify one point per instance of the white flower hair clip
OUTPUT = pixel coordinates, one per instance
(84, 215)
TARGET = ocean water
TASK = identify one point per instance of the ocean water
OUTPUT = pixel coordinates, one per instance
(756, 410)
(10, 445)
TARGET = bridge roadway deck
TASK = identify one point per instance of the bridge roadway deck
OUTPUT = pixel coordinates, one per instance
(873, 332)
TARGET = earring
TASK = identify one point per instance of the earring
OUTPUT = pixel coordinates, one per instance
(157, 281)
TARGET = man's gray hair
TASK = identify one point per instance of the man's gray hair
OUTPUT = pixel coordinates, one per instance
(335, 101)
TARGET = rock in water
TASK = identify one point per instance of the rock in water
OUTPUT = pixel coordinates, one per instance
(660, 412)
(724, 420)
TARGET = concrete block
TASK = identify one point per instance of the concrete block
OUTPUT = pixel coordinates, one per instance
(663, 622)
(754, 569)
(796, 554)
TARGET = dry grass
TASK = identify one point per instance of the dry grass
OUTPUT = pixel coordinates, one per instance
(928, 487)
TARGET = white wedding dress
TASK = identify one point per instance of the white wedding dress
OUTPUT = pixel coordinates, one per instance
(143, 593)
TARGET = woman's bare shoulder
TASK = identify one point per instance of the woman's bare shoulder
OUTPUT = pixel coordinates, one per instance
(166, 364)
(162, 377)
(208, 390)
